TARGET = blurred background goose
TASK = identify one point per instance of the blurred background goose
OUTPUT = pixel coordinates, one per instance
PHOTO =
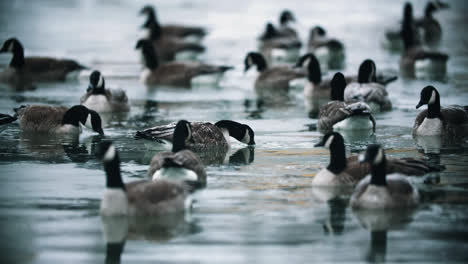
(23, 72)
(414, 57)
(431, 29)
(172, 73)
(179, 31)
(379, 190)
(330, 51)
(271, 83)
(138, 198)
(101, 99)
(169, 46)
(280, 43)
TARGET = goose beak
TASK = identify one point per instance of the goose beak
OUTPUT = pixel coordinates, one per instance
(419, 104)
(320, 144)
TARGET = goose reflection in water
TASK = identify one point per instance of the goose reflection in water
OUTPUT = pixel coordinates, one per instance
(118, 229)
(379, 222)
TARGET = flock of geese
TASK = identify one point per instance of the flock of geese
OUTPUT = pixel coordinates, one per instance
(343, 103)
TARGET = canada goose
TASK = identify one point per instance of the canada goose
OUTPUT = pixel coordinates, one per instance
(179, 31)
(429, 25)
(414, 56)
(274, 80)
(168, 46)
(317, 91)
(172, 73)
(181, 163)
(275, 45)
(138, 198)
(283, 31)
(101, 99)
(344, 170)
(449, 122)
(285, 18)
(338, 114)
(332, 50)
(204, 135)
(379, 190)
(366, 89)
(22, 72)
(57, 119)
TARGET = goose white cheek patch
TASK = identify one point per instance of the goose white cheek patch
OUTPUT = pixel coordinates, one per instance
(433, 97)
(329, 141)
(101, 81)
(10, 47)
(88, 123)
(378, 157)
(110, 153)
(306, 62)
(189, 132)
(246, 138)
(249, 61)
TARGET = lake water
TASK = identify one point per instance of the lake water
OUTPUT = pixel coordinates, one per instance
(259, 209)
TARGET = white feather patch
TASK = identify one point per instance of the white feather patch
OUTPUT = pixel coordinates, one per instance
(98, 103)
(324, 178)
(179, 174)
(430, 127)
(110, 153)
(354, 123)
(114, 202)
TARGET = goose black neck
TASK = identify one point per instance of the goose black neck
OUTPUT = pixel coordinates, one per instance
(155, 31)
(429, 11)
(407, 29)
(98, 90)
(113, 177)
(261, 63)
(18, 58)
(337, 94)
(337, 158)
(150, 56)
(235, 129)
(433, 110)
(151, 20)
(338, 85)
(113, 252)
(314, 73)
(378, 173)
(178, 142)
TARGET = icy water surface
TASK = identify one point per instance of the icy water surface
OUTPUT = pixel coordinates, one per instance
(258, 206)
